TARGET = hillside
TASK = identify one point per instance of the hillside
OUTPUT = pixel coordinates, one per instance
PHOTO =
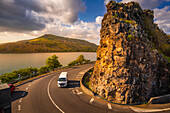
(48, 43)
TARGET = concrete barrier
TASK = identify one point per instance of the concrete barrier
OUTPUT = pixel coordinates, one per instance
(160, 99)
(86, 90)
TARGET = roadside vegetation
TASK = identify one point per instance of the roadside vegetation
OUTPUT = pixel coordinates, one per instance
(52, 64)
(86, 79)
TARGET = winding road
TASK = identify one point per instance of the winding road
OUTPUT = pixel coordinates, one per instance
(43, 96)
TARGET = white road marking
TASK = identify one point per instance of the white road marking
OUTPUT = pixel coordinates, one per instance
(48, 91)
(92, 100)
(19, 107)
(29, 84)
(148, 110)
(27, 88)
(73, 92)
(20, 100)
(109, 106)
(23, 94)
(77, 90)
(79, 93)
(79, 75)
(70, 88)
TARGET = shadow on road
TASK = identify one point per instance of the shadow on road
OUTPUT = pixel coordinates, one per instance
(18, 94)
(73, 84)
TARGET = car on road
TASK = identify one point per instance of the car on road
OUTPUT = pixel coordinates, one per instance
(62, 80)
(12, 87)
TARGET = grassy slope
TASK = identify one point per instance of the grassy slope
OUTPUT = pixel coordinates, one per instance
(48, 43)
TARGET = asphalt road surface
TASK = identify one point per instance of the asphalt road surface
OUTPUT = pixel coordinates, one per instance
(43, 96)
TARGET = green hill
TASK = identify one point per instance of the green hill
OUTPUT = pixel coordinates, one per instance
(48, 43)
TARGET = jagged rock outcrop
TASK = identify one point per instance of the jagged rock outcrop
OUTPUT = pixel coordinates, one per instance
(128, 69)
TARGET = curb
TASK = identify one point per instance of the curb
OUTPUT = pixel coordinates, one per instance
(160, 99)
(86, 90)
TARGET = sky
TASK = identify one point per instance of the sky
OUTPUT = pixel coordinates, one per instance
(80, 19)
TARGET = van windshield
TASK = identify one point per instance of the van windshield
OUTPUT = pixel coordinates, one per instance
(62, 79)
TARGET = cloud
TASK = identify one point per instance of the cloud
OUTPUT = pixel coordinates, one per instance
(162, 17)
(146, 4)
(106, 2)
(89, 31)
(99, 19)
(29, 15)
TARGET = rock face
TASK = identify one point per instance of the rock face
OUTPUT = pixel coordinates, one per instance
(128, 69)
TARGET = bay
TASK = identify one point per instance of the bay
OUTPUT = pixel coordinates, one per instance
(11, 62)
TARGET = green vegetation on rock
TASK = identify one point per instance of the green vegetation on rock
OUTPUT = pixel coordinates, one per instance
(48, 43)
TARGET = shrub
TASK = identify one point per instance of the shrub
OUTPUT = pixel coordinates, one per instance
(43, 70)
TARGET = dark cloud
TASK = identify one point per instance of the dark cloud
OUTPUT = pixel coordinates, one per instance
(30, 15)
(13, 18)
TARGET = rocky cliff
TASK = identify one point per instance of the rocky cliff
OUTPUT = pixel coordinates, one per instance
(129, 69)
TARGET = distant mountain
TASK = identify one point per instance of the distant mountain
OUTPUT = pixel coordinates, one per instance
(48, 43)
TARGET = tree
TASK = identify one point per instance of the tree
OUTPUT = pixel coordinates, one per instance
(52, 62)
(80, 59)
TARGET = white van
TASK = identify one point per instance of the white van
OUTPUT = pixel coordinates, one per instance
(62, 79)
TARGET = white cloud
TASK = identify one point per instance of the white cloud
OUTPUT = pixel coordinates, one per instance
(89, 31)
(106, 1)
(162, 17)
(99, 19)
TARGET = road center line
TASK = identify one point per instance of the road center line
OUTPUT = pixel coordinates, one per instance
(20, 100)
(109, 106)
(48, 91)
(19, 107)
(148, 110)
(27, 88)
(92, 100)
(29, 84)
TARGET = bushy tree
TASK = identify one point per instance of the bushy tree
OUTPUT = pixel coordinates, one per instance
(80, 59)
(52, 62)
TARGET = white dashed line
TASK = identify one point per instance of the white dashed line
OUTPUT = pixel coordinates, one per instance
(48, 91)
(29, 84)
(20, 100)
(70, 88)
(77, 90)
(79, 93)
(27, 88)
(109, 106)
(73, 92)
(79, 75)
(148, 110)
(91, 101)
(19, 107)
(23, 94)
